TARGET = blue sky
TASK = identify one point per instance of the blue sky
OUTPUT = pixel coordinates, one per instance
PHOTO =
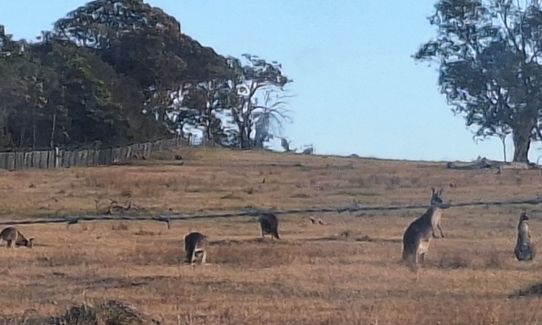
(357, 88)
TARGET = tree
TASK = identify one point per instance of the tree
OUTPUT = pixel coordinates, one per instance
(208, 100)
(93, 104)
(181, 117)
(268, 118)
(255, 78)
(12, 87)
(489, 55)
(144, 43)
(109, 73)
(25, 88)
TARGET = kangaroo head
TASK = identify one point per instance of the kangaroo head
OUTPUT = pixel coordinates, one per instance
(436, 197)
(523, 216)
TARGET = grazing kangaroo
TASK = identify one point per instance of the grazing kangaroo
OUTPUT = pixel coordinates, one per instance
(195, 247)
(14, 237)
(525, 250)
(419, 233)
(269, 224)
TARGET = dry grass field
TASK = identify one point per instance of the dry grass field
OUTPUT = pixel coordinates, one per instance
(347, 271)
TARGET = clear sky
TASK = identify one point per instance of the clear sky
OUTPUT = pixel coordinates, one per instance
(357, 88)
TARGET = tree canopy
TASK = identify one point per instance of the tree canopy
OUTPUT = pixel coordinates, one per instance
(489, 58)
(256, 80)
(118, 71)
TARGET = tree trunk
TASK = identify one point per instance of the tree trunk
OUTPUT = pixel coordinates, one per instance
(22, 137)
(161, 114)
(522, 143)
(243, 138)
(249, 139)
(34, 131)
(34, 136)
(208, 133)
(52, 140)
(503, 140)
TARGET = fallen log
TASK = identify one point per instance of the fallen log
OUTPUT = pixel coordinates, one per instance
(484, 163)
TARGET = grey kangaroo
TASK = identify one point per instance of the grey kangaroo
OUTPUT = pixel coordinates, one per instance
(525, 249)
(419, 233)
(14, 237)
(195, 247)
(269, 224)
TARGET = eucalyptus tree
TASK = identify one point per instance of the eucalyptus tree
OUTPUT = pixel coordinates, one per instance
(207, 101)
(489, 55)
(269, 117)
(255, 104)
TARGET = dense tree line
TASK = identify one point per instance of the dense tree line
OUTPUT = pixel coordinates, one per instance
(118, 71)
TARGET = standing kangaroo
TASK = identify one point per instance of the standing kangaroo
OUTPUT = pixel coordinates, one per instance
(195, 247)
(525, 250)
(419, 233)
(14, 237)
(269, 224)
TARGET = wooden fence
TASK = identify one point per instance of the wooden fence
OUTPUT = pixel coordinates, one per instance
(87, 157)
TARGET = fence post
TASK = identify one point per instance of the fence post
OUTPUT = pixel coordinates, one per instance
(65, 158)
(19, 160)
(43, 159)
(11, 161)
(4, 160)
(57, 157)
(50, 159)
(36, 159)
(28, 159)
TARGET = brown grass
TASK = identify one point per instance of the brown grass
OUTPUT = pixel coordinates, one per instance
(345, 272)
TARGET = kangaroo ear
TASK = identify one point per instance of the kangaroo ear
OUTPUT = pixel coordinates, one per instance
(440, 192)
(432, 190)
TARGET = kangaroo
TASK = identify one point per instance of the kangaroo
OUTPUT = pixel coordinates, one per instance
(525, 250)
(269, 224)
(419, 233)
(14, 237)
(195, 247)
